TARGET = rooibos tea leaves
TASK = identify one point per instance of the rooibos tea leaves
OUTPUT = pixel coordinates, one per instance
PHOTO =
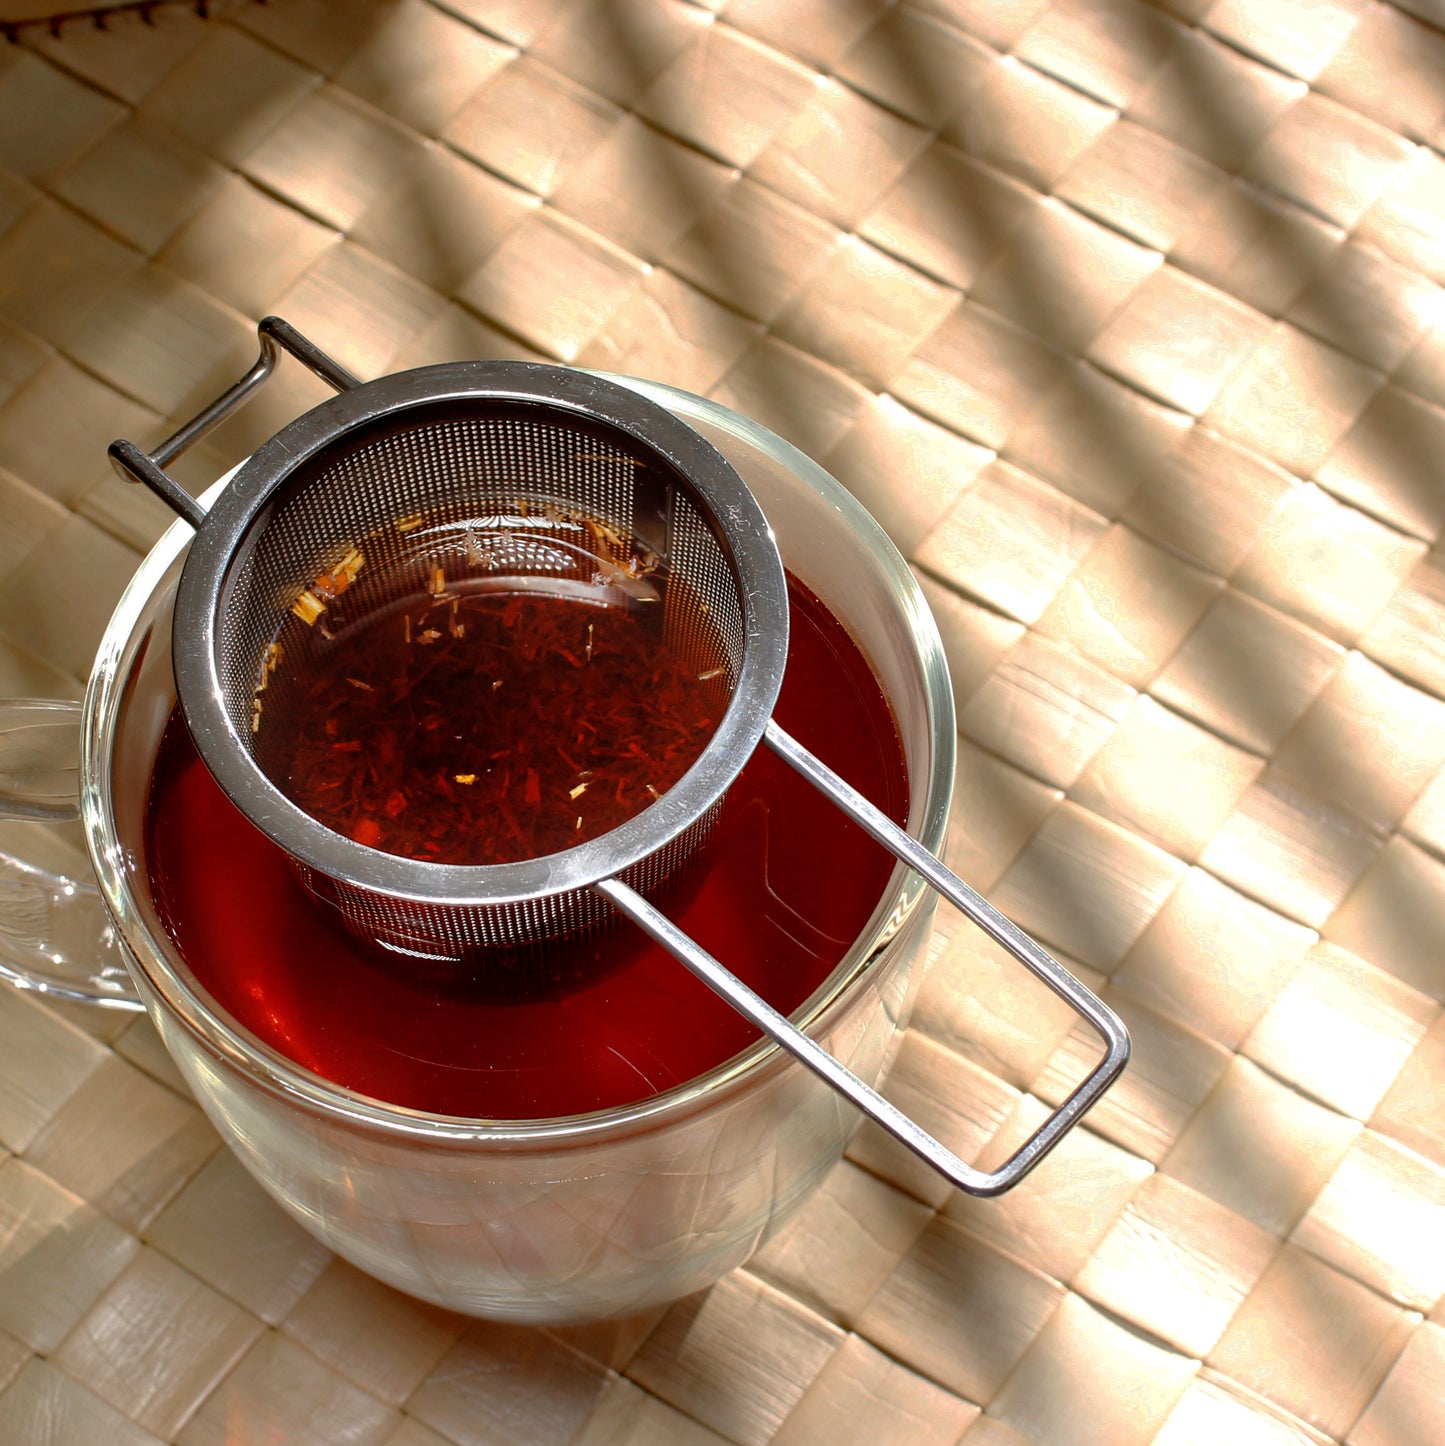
(485, 727)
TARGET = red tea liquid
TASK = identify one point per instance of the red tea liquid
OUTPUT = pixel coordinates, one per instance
(783, 886)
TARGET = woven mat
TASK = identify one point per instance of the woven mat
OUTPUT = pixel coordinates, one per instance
(1126, 320)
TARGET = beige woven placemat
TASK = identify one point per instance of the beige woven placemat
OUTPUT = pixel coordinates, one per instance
(1127, 321)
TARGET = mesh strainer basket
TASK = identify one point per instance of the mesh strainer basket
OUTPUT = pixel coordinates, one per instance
(509, 472)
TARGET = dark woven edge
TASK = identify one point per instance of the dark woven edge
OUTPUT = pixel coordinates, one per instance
(98, 17)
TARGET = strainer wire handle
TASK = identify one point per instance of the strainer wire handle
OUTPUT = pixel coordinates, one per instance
(275, 335)
(808, 1052)
(1103, 1020)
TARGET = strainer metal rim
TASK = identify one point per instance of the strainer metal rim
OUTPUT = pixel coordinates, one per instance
(763, 602)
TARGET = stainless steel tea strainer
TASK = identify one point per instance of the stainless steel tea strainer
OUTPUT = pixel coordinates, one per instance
(534, 477)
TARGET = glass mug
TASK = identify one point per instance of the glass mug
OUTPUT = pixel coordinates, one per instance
(605, 1214)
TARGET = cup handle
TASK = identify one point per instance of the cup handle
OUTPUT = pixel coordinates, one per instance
(56, 938)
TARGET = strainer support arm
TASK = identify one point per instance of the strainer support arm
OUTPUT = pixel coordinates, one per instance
(813, 1056)
(136, 465)
(1004, 932)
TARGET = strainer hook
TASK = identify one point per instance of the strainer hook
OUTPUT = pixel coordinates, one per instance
(134, 464)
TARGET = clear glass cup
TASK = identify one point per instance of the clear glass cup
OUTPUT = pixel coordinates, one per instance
(603, 1214)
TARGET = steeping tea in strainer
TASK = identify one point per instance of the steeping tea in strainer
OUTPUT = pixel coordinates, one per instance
(419, 508)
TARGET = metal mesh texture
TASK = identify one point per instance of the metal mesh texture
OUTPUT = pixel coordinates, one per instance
(497, 494)
(457, 931)
(485, 497)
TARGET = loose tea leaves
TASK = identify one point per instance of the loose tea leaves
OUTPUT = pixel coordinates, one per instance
(328, 586)
(488, 727)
